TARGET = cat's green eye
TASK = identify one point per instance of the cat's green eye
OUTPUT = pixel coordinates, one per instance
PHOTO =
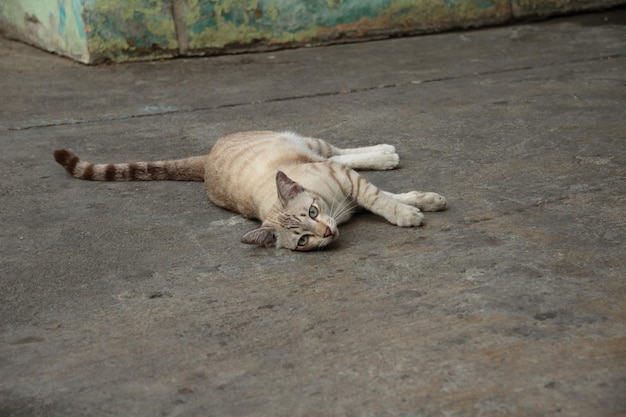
(313, 212)
(303, 240)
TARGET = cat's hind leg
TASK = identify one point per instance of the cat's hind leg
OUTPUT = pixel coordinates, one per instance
(377, 157)
(376, 160)
(425, 201)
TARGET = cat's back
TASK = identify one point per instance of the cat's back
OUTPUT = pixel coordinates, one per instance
(259, 150)
(243, 166)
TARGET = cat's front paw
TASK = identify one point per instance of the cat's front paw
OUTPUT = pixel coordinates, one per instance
(407, 216)
(425, 201)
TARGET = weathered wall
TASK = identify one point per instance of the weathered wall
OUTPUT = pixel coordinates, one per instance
(275, 22)
(93, 31)
(131, 29)
(54, 25)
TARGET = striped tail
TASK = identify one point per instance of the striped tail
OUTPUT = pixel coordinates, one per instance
(188, 169)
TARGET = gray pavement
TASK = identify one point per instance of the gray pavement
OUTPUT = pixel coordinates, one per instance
(137, 299)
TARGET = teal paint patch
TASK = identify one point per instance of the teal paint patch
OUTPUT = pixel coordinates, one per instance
(133, 31)
(290, 16)
(77, 8)
(485, 4)
(207, 20)
(351, 11)
(62, 18)
(237, 14)
(142, 26)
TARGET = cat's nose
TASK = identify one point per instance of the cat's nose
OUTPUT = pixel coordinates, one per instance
(328, 232)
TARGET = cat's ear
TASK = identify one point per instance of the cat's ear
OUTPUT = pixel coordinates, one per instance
(287, 188)
(263, 236)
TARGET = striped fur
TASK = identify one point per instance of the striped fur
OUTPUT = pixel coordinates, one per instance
(189, 169)
(300, 188)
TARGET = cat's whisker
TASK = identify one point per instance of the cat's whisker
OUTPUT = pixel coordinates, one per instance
(341, 208)
(340, 211)
(344, 207)
(340, 205)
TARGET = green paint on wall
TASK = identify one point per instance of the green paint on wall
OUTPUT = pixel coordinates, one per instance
(120, 30)
(141, 27)
(51, 25)
(219, 23)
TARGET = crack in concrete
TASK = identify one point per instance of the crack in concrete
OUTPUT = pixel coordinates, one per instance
(66, 122)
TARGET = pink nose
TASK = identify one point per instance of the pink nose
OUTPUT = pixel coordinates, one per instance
(328, 232)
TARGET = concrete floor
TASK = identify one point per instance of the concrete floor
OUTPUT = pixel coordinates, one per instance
(137, 299)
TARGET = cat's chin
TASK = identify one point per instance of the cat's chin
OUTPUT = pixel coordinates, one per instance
(329, 240)
(325, 246)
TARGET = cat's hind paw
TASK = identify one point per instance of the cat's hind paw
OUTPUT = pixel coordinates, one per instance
(384, 161)
(383, 148)
(370, 160)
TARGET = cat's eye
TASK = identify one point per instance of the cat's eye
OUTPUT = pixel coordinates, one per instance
(313, 212)
(303, 240)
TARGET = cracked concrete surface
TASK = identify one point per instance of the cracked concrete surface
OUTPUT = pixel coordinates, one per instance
(138, 299)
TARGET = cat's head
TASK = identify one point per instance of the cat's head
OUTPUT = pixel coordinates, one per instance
(300, 220)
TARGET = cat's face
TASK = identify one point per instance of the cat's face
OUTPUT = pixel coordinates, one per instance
(299, 221)
(305, 224)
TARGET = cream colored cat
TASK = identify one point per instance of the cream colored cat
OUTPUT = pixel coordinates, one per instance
(300, 188)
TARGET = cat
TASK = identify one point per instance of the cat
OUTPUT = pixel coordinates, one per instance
(300, 188)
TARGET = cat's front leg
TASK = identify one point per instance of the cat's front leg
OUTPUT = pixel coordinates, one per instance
(375, 200)
(425, 201)
(404, 215)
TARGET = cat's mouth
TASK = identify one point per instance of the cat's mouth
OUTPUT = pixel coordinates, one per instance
(331, 231)
(328, 244)
(330, 235)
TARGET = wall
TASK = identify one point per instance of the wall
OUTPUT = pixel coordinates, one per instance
(55, 26)
(94, 31)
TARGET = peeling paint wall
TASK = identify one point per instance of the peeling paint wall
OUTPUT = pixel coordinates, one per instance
(54, 25)
(141, 29)
(239, 23)
(93, 31)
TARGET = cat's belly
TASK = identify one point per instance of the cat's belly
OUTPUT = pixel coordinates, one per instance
(240, 173)
(247, 198)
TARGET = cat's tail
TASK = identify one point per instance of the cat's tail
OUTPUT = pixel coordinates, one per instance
(188, 169)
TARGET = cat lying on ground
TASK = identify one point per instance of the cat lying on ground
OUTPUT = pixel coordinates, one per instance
(300, 188)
